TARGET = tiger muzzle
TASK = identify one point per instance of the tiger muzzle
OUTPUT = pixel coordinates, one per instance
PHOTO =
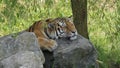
(72, 36)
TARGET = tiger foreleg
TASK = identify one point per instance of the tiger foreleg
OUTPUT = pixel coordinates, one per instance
(47, 44)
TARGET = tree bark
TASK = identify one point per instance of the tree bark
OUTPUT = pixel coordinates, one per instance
(79, 10)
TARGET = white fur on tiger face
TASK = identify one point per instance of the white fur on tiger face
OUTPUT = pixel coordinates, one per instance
(48, 30)
(63, 27)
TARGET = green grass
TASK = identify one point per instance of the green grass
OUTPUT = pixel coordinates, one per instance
(104, 32)
(103, 22)
(18, 15)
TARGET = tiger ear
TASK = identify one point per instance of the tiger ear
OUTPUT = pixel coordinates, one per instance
(70, 18)
(49, 20)
(50, 25)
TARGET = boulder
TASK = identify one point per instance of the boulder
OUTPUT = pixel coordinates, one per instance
(22, 50)
(24, 46)
(79, 53)
(25, 59)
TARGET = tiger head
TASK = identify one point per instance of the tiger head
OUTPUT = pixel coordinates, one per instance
(62, 27)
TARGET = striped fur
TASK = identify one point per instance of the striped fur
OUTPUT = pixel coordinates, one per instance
(48, 30)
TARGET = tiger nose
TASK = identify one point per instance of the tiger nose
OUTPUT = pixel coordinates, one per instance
(73, 32)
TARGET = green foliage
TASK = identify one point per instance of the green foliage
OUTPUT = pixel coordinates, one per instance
(17, 15)
(103, 22)
(104, 31)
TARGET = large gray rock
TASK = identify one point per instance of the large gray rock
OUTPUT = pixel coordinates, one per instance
(13, 45)
(25, 59)
(22, 51)
(79, 53)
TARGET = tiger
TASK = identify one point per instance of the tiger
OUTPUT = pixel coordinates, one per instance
(47, 31)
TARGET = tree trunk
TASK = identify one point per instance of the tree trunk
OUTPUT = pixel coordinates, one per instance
(79, 10)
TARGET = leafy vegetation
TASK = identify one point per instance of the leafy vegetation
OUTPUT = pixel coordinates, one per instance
(17, 15)
(103, 22)
(104, 31)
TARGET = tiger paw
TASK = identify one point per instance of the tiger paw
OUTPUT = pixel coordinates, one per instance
(52, 45)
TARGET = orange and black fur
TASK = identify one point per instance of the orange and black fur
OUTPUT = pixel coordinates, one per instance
(48, 30)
